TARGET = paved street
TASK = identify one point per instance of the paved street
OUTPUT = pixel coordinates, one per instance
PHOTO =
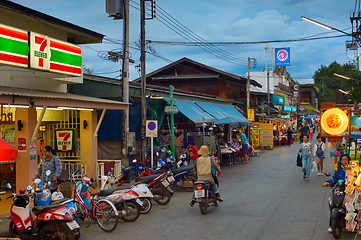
(264, 199)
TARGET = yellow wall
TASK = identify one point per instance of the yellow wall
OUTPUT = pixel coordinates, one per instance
(25, 168)
(88, 143)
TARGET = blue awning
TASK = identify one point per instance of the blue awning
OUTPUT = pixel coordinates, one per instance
(224, 113)
(191, 110)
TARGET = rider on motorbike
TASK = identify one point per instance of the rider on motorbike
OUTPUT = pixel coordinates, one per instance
(345, 160)
(204, 171)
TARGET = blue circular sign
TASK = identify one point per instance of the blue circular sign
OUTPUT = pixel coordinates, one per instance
(151, 126)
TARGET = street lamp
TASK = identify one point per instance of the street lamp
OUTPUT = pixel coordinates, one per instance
(348, 78)
(324, 26)
(344, 92)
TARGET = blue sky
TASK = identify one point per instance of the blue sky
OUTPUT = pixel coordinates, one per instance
(216, 21)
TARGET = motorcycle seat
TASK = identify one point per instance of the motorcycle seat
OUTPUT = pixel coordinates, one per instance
(107, 192)
(60, 201)
(37, 210)
(146, 179)
(155, 171)
(182, 169)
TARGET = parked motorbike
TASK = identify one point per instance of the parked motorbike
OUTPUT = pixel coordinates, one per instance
(159, 185)
(50, 222)
(43, 197)
(337, 208)
(205, 196)
(144, 193)
(185, 177)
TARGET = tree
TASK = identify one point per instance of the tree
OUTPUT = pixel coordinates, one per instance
(329, 84)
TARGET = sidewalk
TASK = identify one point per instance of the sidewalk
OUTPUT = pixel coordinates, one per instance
(4, 225)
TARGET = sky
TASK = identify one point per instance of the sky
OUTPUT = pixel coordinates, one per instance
(214, 21)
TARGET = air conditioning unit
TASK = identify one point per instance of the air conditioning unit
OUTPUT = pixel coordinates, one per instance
(115, 8)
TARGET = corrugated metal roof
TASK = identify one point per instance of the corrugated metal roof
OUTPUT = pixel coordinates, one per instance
(47, 98)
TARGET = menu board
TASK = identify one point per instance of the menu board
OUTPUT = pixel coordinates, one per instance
(266, 135)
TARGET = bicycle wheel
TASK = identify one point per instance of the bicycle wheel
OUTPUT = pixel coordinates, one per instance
(105, 215)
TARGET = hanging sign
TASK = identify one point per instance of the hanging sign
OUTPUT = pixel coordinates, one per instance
(14, 48)
(335, 122)
(282, 57)
(21, 144)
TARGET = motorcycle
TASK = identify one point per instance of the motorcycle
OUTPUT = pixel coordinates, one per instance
(145, 195)
(159, 185)
(185, 177)
(204, 195)
(43, 197)
(337, 207)
(50, 222)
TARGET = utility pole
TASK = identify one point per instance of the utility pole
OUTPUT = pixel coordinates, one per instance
(268, 95)
(142, 79)
(125, 74)
(248, 80)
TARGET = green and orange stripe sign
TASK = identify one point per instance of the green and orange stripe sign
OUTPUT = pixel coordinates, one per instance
(14, 48)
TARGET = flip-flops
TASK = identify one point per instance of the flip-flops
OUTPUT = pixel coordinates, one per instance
(191, 203)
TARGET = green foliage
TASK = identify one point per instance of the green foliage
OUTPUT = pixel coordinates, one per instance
(329, 84)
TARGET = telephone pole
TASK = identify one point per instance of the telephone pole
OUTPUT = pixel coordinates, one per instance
(248, 80)
(142, 80)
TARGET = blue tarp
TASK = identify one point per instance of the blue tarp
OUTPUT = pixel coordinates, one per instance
(310, 116)
(224, 114)
(191, 110)
(110, 128)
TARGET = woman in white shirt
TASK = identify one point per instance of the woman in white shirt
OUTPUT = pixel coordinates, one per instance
(321, 155)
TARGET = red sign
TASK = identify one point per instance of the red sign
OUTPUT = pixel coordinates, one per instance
(22, 144)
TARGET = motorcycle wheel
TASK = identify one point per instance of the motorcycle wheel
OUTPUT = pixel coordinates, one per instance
(134, 208)
(336, 227)
(147, 205)
(192, 179)
(12, 230)
(164, 199)
(203, 206)
(79, 212)
(49, 230)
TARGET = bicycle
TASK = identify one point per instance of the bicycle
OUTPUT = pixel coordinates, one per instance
(100, 210)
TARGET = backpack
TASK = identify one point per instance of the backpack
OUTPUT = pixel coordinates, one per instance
(319, 151)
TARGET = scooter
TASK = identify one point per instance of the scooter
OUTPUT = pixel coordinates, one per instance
(205, 196)
(185, 177)
(50, 222)
(43, 197)
(159, 185)
(145, 195)
(337, 207)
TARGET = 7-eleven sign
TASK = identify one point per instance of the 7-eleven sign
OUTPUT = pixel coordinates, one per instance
(65, 140)
(39, 51)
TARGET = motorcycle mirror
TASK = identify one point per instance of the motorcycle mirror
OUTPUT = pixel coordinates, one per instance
(327, 174)
(8, 185)
(48, 173)
(29, 187)
(91, 180)
(37, 181)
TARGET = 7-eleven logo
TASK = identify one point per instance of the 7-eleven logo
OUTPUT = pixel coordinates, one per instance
(64, 140)
(39, 51)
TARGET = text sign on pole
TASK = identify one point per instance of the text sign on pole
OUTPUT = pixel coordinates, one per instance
(151, 128)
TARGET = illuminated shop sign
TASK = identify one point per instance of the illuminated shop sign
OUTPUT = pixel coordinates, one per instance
(278, 100)
(34, 50)
(289, 108)
(65, 140)
(334, 121)
(14, 48)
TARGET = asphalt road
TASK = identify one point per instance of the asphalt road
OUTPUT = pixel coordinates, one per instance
(264, 199)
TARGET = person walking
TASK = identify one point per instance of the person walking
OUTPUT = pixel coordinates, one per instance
(289, 136)
(307, 154)
(244, 145)
(319, 153)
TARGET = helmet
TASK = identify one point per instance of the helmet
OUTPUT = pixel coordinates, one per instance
(57, 196)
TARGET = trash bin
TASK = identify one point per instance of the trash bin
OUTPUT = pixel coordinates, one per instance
(66, 189)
